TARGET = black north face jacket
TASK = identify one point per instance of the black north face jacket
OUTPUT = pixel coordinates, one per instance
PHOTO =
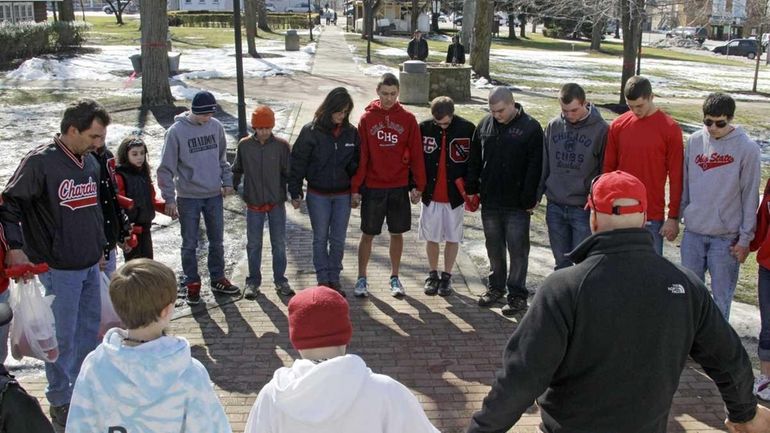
(458, 138)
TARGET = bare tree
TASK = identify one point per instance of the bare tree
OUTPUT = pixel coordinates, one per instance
(250, 12)
(415, 15)
(469, 15)
(155, 88)
(631, 18)
(262, 16)
(66, 11)
(118, 6)
(482, 31)
(370, 8)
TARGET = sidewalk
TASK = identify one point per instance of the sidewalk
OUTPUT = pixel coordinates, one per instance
(446, 350)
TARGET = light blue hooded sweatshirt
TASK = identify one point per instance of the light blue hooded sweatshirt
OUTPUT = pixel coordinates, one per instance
(156, 387)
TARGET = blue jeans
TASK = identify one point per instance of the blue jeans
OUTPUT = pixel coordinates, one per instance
(507, 231)
(4, 329)
(77, 311)
(763, 350)
(701, 253)
(255, 224)
(568, 226)
(657, 239)
(190, 210)
(329, 216)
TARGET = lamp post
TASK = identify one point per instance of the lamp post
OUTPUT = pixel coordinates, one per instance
(239, 69)
(310, 18)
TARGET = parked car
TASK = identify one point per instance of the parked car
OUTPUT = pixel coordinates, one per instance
(739, 47)
(269, 7)
(458, 20)
(300, 7)
(698, 33)
(765, 41)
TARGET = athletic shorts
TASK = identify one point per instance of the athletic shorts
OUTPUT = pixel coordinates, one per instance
(386, 204)
(440, 223)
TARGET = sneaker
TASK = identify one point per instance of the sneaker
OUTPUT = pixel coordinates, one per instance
(284, 289)
(762, 387)
(515, 305)
(396, 288)
(59, 416)
(445, 284)
(431, 284)
(252, 291)
(193, 296)
(336, 286)
(224, 286)
(362, 288)
(490, 297)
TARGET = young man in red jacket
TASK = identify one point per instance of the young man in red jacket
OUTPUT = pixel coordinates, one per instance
(647, 143)
(390, 170)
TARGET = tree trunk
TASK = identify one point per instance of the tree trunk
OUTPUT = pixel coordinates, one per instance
(118, 9)
(469, 17)
(597, 32)
(415, 14)
(534, 25)
(523, 26)
(155, 88)
(66, 11)
(631, 19)
(483, 38)
(512, 27)
(262, 16)
(250, 11)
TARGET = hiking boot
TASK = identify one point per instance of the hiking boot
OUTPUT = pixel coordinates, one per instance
(762, 387)
(193, 296)
(431, 284)
(336, 286)
(396, 288)
(59, 416)
(362, 288)
(445, 284)
(224, 286)
(490, 297)
(515, 305)
(284, 289)
(252, 291)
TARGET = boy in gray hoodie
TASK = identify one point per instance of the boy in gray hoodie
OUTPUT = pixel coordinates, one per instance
(572, 156)
(719, 198)
(194, 177)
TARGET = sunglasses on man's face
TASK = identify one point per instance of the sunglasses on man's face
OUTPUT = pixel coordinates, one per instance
(718, 123)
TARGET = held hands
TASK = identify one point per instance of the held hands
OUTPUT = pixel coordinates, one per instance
(295, 203)
(760, 423)
(355, 200)
(227, 190)
(670, 229)
(740, 253)
(415, 195)
(171, 210)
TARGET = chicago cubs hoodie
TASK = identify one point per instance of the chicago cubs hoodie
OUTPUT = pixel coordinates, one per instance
(340, 395)
(150, 388)
(391, 149)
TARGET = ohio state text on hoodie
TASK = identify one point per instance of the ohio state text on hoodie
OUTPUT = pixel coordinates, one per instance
(391, 149)
(53, 198)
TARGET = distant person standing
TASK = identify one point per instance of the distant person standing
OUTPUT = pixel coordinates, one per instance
(647, 143)
(418, 47)
(455, 53)
(572, 157)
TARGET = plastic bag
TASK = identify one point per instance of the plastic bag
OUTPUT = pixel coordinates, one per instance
(33, 330)
(109, 317)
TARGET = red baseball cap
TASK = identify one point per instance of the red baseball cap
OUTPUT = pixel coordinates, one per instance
(608, 187)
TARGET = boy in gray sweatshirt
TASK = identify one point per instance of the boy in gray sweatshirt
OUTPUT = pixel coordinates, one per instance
(194, 177)
(572, 156)
(719, 198)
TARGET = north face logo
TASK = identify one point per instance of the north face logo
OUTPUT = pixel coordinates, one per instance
(676, 289)
(707, 162)
(77, 196)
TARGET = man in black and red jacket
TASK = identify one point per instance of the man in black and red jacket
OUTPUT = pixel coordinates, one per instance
(446, 145)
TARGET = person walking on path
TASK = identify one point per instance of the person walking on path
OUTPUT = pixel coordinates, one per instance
(572, 157)
(50, 214)
(647, 143)
(446, 145)
(263, 161)
(604, 343)
(194, 177)
(391, 163)
(326, 153)
(719, 199)
(504, 169)
(418, 47)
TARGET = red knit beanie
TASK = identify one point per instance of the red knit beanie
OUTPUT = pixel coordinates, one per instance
(262, 117)
(318, 317)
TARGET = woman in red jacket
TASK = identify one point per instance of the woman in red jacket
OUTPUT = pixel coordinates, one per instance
(761, 244)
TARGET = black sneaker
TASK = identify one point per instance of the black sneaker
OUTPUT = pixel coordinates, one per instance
(193, 296)
(515, 305)
(224, 286)
(490, 297)
(445, 284)
(336, 286)
(252, 291)
(59, 416)
(284, 289)
(431, 284)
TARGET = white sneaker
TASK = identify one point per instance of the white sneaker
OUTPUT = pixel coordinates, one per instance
(762, 387)
(362, 288)
(396, 288)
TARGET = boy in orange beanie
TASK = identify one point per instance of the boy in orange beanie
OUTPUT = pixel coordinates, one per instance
(328, 391)
(262, 159)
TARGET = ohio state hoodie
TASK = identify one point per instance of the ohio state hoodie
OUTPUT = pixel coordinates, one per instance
(391, 149)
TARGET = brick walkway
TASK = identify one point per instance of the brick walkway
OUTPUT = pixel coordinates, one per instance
(445, 349)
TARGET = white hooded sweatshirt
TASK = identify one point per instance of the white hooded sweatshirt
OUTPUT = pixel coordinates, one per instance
(156, 387)
(340, 395)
